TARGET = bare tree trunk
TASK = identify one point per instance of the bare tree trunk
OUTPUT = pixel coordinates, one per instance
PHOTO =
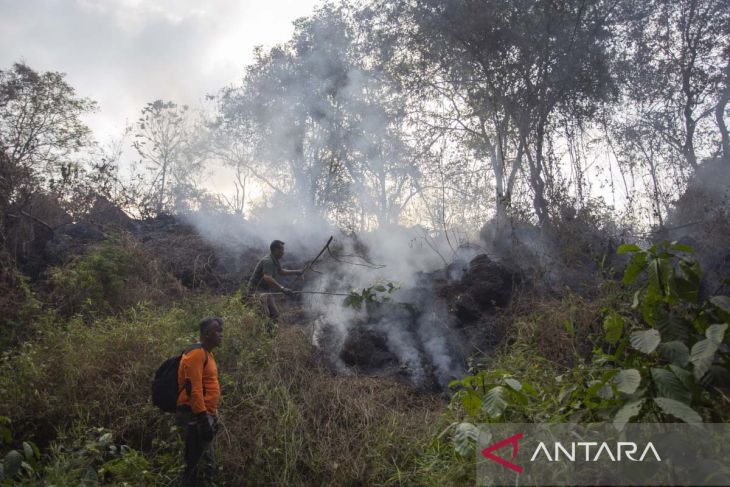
(689, 56)
(383, 210)
(537, 183)
(720, 115)
(161, 197)
(501, 200)
(655, 182)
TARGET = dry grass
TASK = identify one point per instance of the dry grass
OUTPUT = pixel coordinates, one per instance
(559, 329)
(298, 424)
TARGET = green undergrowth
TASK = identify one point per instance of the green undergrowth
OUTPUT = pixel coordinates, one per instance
(109, 277)
(657, 351)
(75, 397)
(78, 396)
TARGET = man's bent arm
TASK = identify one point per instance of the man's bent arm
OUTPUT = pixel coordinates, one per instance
(291, 272)
(272, 282)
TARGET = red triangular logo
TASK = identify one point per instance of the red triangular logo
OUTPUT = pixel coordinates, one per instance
(487, 452)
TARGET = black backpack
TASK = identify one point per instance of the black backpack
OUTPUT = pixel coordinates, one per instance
(164, 387)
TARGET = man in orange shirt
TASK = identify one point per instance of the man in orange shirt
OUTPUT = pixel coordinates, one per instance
(197, 403)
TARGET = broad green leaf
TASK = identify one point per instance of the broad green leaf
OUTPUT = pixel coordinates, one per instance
(566, 392)
(628, 411)
(627, 381)
(645, 341)
(529, 389)
(668, 385)
(636, 266)
(622, 249)
(716, 333)
(516, 397)
(678, 410)
(28, 451)
(90, 477)
(658, 273)
(36, 450)
(675, 352)
(702, 355)
(722, 302)
(465, 438)
(494, 403)
(513, 384)
(613, 325)
(690, 270)
(684, 376)
(12, 463)
(671, 325)
(684, 289)
(605, 392)
(594, 388)
(353, 301)
(703, 349)
(681, 247)
(651, 305)
(471, 401)
(717, 375)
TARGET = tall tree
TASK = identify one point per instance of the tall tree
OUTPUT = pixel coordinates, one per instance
(41, 127)
(506, 69)
(679, 57)
(174, 148)
(324, 126)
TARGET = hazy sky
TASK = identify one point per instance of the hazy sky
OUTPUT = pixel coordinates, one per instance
(124, 53)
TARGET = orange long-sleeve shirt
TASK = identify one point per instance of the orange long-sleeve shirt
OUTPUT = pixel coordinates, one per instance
(200, 378)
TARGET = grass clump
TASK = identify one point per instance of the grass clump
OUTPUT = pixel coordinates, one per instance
(110, 277)
(285, 419)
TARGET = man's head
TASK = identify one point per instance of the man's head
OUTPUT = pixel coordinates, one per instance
(277, 249)
(211, 332)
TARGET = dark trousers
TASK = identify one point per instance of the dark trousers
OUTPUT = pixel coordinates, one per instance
(272, 308)
(200, 466)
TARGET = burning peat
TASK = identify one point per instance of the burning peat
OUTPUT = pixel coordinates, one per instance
(425, 333)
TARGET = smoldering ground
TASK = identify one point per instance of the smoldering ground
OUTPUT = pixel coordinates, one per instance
(415, 331)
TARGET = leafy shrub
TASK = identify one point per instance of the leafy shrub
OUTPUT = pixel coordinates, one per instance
(370, 296)
(109, 277)
(675, 359)
(664, 357)
(91, 457)
(19, 307)
(17, 463)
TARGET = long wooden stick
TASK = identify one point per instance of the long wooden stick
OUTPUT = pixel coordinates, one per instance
(303, 292)
(311, 263)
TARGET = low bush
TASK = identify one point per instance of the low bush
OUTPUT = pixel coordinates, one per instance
(663, 356)
(110, 277)
(19, 306)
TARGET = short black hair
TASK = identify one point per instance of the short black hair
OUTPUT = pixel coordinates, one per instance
(206, 323)
(276, 244)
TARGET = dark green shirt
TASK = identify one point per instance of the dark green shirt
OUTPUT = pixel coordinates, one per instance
(268, 265)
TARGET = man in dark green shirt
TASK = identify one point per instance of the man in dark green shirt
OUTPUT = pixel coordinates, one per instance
(265, 277)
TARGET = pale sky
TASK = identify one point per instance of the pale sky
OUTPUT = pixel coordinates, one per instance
(125, 53)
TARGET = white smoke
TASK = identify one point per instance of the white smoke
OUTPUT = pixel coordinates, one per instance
(310, 102)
